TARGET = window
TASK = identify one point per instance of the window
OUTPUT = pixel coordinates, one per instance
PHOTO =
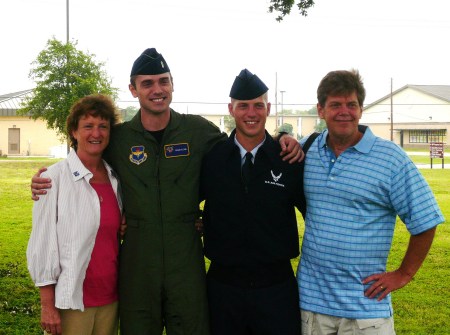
(427, 136)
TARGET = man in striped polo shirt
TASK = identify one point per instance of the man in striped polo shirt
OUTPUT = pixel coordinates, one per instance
(355, 186)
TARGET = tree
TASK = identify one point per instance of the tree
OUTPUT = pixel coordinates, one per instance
(63, 75)
(129, 112)
(312, 111)
(286, 128)
(321, 126)
(284, 7)
(229, 123)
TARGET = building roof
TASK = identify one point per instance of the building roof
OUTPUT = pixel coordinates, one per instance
(438, 91)
(9, 103)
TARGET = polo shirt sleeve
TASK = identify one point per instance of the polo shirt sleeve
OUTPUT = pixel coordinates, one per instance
(413, 200)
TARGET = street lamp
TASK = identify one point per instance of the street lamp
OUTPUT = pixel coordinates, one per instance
(282, 94)
(67, 21)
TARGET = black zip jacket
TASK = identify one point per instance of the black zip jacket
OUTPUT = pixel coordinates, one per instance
(252, 225)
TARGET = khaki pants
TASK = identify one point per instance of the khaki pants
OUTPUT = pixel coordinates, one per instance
(101, 320)
(320, 324)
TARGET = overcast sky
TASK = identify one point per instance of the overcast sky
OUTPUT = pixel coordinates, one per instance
(207, 42)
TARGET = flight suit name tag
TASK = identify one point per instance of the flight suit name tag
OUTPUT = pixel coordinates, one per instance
(138, 155)
(176, 150)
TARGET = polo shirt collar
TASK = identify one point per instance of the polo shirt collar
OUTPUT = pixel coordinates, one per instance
(367, 141)
(364, 145)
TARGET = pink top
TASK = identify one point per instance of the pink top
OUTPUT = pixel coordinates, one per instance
(100, 283)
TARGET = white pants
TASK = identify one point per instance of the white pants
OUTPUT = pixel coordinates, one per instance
(320, 324)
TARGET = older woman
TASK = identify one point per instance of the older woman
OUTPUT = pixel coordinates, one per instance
(73, 249)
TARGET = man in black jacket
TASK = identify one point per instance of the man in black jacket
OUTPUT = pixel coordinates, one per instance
(250, 226)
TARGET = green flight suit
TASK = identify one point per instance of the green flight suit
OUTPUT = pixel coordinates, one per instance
(162, 270)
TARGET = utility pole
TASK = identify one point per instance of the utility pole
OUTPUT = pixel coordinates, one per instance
(67, 56)
(282, 106)
(392, 115)
(276, 101)
(67, 21)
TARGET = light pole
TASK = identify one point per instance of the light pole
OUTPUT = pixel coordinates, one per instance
(282, 101)
(67, 21)
(392, 115)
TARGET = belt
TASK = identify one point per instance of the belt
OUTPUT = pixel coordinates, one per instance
(251, 276)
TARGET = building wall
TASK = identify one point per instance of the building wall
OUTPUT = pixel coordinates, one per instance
(411, 109)
(383, 130)
(301, 125)
(35, 138)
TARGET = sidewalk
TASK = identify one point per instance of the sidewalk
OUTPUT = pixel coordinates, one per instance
(436, 166)
(413, 153)
(437, 162)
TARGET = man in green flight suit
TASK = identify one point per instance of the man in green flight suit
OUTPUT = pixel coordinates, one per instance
(158, 156)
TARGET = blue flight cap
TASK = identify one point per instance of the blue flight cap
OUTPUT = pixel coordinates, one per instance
(149, 62)
(247, 86)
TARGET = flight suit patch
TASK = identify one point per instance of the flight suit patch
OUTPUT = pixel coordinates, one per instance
(176, 150)
(138, 156)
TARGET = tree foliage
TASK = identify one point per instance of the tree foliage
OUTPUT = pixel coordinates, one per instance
(284, 7)
(312, 111)
(129, 112)
(63, 75)
(321, 126)
(286, 128)
(229, 123)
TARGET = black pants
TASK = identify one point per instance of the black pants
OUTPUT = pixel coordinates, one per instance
(253, 310)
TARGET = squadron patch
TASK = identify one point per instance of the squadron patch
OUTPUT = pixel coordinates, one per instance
(138, 155)
(176, 150)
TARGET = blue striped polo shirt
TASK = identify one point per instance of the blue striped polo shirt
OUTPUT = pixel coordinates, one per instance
(352, 204)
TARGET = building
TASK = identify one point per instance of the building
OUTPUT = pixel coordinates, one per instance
(301, 125)
(23, 136)
(412, 116)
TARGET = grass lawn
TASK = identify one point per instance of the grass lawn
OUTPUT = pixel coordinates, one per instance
(420, 308)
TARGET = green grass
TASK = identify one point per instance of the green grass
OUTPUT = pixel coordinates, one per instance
(437, 162)
(19, 300)
(418, 157)
(420, 308)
